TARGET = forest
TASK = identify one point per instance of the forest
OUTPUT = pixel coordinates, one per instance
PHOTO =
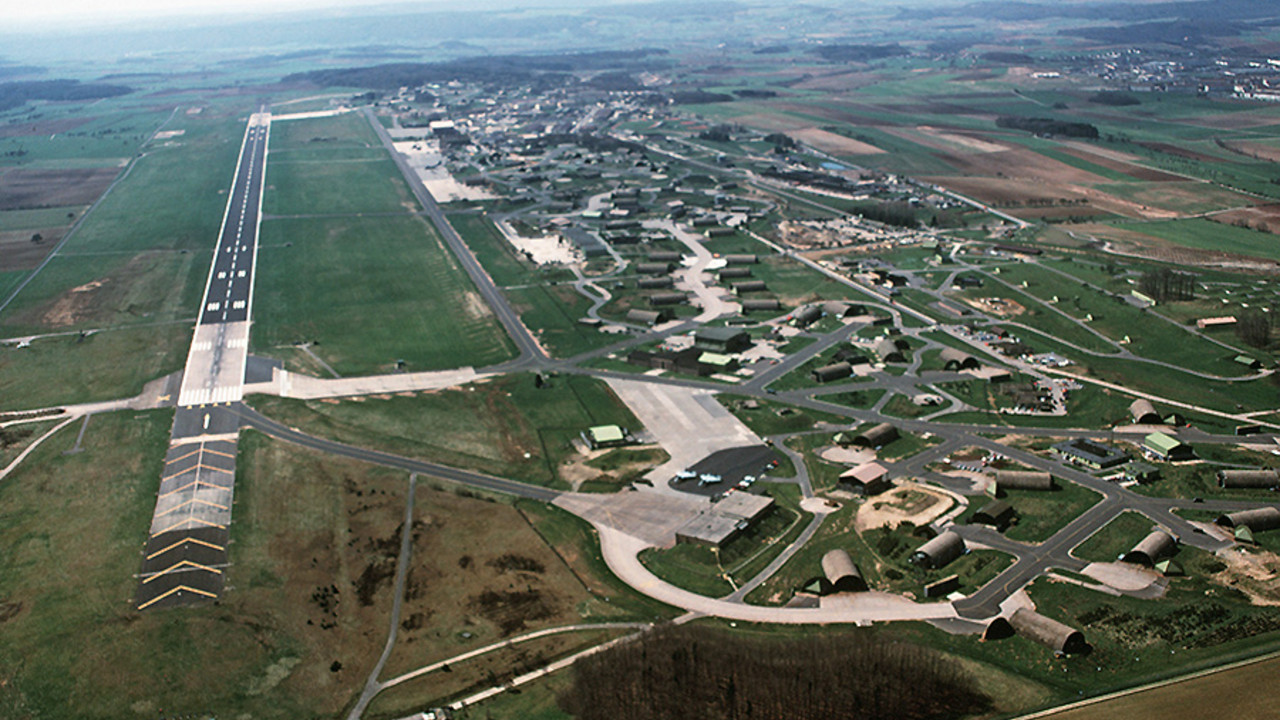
(700, 673)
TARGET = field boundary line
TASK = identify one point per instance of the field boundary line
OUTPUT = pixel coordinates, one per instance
(1151, 686)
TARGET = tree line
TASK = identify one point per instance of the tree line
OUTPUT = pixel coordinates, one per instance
(694, 673)
(1048, 126)
(1164, 285)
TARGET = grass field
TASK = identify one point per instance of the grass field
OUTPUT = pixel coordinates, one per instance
(1040, 514)
(332, 165)
(774, 418)
(506, 426)
(17, 438)
(371, 291)
(103, 366)
(1117, 537)
(255, 651)
(1208, 235)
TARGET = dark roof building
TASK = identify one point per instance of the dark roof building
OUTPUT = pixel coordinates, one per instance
(1091, 454)
(1257, 519)
(664, 256)
(876, 436)
(1144, 413)
(646, 317)
(1240, 479)
(842, 573)
(721, 339)
(806, 316)
(749, 286)
(997, 513)
(668, 299)
(1059, 638)
(867, 479)
(834, 371)
(654, 283)
(1023, 480)
(939, 551)
(734, 272)
(1155, 547)
(953, 359)
(741, 259)
(654, 268)
(761, 304)
(890, 351)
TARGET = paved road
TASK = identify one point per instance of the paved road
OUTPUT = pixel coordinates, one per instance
(252, 418)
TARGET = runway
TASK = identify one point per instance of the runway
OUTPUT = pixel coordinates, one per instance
(186, 551)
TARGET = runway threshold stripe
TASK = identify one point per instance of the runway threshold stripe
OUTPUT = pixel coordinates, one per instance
(184, 541)
(178, 565)
(180, 588)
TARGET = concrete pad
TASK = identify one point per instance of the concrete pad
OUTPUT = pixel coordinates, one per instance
(847, 456)
(1126, 577)
(650, 516)
(305, 387)
(688, 423)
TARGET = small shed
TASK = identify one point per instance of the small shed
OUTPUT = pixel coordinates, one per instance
(1144, 413)
(1059, 638)
(1153, 548)
(939, 551)
(602, 436)
(1257, 520)
(866, 479)
(842, 573)
(1023, 480)
(1263, 479)
(834, 371)
(953, 359)
(997, 513)
(876, 436)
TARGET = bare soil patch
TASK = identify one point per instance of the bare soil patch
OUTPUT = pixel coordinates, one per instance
(1000, 307)
(838, 81)
(43, 127)
(1123, 241)
(1254, 150)
(1256, 574)
(834, 143)
(770, 122)
(1014, 162)
(1259, 217)
(1236, 121)
(908, 502)
(22, 189)
(969, 142)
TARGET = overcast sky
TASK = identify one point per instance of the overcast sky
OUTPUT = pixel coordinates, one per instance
(98, 11)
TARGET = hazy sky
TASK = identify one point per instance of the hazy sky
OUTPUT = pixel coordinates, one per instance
(96, 10)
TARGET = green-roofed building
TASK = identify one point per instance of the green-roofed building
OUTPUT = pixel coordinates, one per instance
(1166, 447)
(602, 436)
(1251, 363)
(719, 361)
(1169, 568)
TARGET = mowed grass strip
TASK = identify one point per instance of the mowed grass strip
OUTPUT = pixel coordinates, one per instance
(505, 427)
(331, 165)
(371, 291)
(102, 366)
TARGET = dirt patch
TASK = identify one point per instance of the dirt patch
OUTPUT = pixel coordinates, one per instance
(1012, 162)
(1255, 573)
(24, 189)
(834, 143)
(968, 142)
(73, 306)
(44, 127)
(909, 502)
(9, 610)
(1262, 217)
(1000, 307)
(1258, 151)
(1130, 243)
